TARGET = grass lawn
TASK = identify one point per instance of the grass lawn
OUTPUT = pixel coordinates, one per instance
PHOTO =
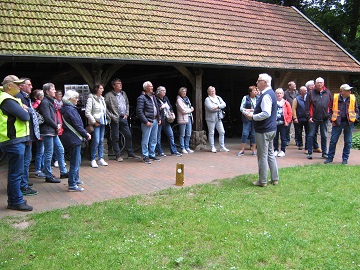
(310, 221)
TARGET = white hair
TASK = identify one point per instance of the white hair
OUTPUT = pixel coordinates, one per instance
(311, 82)
(70, 94)
(145, 84)
(266, 77)
(319, 80)
(279, 90)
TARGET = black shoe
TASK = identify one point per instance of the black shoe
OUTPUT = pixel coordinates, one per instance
(309, 156)
(52, 180)
(324, 156)
(146, 160)
(327, 161)
(28, 191)
(30, 184)
(64, 175)
(20, 207)
(154, 158)
(344, 162)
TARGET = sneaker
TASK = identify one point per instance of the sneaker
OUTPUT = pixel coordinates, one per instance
(213, 149)
(154, 158)
(327, 161)
(281, 154)
(79, 183)
(56, 164)
(324, 156)
(241, 153)
(224, 149)
(274, 182)
(254, 154)
(20, 207)
(64, 175)
(177, 154)
(184, 151)
(276, 153)
(189, 151)
(317, 150)
(102, 162)
(344, 162)
(52, 179)
(257, 183)
(119, 159)
(28, 191)
(309, 156)
(300, 148)
(30, 184)
(146, 160)
(162, 155)
(75, 189)
(39, 174)
(132, 155)
(94, 164)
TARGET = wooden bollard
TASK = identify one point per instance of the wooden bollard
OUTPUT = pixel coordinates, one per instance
(179, 174)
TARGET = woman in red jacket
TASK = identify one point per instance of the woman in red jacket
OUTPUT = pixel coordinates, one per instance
(283, 119)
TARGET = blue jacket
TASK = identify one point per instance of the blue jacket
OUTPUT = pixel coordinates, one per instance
(71, 114)
(145, 109)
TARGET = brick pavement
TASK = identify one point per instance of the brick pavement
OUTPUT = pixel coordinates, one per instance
(132, 177)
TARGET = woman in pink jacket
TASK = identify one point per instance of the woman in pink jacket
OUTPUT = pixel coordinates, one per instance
(184, 119)
(283, 119)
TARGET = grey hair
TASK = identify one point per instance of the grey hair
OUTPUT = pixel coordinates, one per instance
(319, 80)
(181, 89)
(311, 82)
(303, 87)
(158, 90)
(279, 90)
(70, 94)
(47, 86)
(146, 84)
(266, 77)
(210, 88)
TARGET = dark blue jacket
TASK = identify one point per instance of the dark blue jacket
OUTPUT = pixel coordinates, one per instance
(47, 110)
(269, 124)
(145, 109)
(71, 114)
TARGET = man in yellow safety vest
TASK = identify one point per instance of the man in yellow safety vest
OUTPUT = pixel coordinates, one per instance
(344, 113)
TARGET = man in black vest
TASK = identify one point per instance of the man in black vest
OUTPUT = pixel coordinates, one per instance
(264, 117)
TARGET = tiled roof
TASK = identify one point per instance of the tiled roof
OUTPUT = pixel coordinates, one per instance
(241, 33)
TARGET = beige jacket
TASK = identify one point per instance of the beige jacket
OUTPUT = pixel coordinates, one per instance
(93, 109)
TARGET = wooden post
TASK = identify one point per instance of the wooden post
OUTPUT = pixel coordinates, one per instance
(179, 174)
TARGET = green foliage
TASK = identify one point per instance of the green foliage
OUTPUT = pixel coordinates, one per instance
(309, 221)
(356, 140)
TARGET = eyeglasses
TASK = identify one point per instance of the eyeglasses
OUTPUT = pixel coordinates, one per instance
(260, 81)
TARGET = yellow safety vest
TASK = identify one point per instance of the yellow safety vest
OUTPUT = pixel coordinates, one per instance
(18, 129)
(351, 110)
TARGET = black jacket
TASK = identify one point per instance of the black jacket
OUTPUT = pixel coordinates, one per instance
(145, 109)
(47, 110)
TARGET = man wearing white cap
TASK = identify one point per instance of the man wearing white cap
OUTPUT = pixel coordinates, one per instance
(344, 113)
(14, 133)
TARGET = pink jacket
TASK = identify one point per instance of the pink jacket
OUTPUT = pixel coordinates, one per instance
(182, 111)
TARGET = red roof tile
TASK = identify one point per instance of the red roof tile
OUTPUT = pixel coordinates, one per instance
(241, 33)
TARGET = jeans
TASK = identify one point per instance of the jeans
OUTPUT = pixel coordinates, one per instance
(15, 155)
(122, 126)
(166, 128)
(265, 156)
(281, 130)
(75, 163)
(299, 132)
(248, 130)
(335, 134)
(27, 161)
(313, 126)
(39, 157)
(149, 139)
(97, 142)
(51, 144)
(185, 134)
(220, 128)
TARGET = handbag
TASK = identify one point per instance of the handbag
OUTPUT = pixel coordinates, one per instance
(170, 117)
(89, 128)
(39, 117)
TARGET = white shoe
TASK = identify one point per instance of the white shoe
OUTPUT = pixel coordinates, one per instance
(102, 162)
(56, 164)
(190, 151)
(184, 151)
(281, 154)
(94, 164)
(276, 153)
(213, 149)
(224, 149)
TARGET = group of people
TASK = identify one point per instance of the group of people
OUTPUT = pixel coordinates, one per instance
(267, 116)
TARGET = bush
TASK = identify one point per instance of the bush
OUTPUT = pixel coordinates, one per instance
(356, 141)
